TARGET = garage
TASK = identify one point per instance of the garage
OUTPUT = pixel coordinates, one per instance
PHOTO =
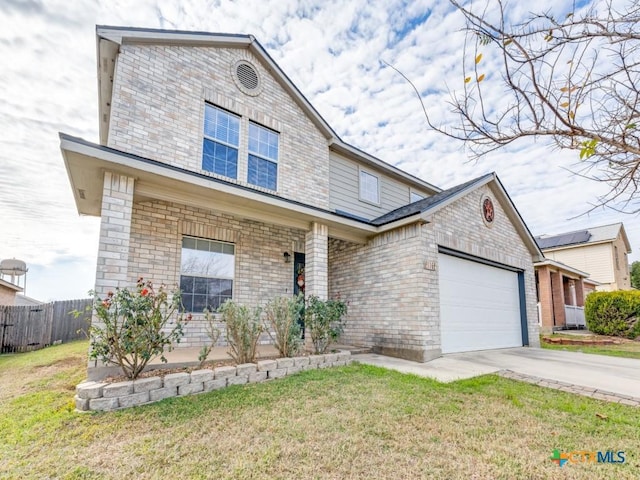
(480, 304)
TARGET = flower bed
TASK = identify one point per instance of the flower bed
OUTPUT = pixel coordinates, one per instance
(102, 396)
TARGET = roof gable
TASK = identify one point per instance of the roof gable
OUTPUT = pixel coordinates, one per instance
(109, 39)
(430, 205)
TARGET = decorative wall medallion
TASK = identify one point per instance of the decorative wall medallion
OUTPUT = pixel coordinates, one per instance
(488, 211)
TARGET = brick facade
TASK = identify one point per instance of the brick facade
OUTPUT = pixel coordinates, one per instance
(260, 271)
(391, 283)
(159, 96)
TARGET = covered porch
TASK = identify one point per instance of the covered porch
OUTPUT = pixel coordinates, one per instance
(561, 291)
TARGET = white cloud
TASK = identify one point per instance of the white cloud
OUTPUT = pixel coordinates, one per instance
(330, 49)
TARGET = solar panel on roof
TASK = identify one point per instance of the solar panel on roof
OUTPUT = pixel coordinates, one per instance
(564, 239)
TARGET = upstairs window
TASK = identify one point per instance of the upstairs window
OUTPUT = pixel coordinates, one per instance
(221, 140)
(414, 197)
(369, 187)
(207, 271)
(263, 157)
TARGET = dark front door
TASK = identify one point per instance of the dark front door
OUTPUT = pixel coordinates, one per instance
(298, 283)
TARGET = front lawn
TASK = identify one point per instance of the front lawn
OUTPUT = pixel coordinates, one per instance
(627, 348)
(351, 422)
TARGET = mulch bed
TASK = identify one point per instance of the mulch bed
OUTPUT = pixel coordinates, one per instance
(581, 341)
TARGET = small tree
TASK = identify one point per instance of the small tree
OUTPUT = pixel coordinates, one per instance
(243, 330)
(635, 275)
(282, 316)
(324, 321)
(134, 327)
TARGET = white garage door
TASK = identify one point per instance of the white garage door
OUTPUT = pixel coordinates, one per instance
(479, 306)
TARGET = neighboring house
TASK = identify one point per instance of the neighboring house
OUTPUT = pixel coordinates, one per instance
(213, 172)
(8, 292)
(601, 251)
(23, 300)
(561, 293)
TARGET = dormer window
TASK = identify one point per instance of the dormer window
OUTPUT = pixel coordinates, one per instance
(221, 141)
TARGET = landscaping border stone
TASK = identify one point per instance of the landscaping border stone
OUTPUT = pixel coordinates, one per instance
(102, 396)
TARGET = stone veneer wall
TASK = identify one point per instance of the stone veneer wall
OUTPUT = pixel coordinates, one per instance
(102, 396)
(261, 274)
(157, 111)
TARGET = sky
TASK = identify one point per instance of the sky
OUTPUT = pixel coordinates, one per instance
(332, 51)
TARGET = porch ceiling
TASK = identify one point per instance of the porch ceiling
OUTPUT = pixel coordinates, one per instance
(86, 164)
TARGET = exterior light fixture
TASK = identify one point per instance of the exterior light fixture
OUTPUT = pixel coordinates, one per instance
(287, 257)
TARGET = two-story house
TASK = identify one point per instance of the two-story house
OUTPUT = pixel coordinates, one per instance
(215, 173)
(602, 251)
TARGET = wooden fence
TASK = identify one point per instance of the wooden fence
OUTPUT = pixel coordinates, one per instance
(32, 327)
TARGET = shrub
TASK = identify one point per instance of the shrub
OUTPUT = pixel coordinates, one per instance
(613, 313)
(135, 326)
(282, 316)
(243, 330)
(324, 321)
(213, 332)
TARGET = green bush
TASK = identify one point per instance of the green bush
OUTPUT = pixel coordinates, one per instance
(613, 313)
(213, 332)
(282, 316)
(135, 327)
(324, 321)
(243, 330)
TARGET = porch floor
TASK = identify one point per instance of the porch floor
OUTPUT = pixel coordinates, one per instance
(189, 355)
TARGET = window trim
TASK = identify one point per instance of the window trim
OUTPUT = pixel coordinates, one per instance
(262, 157)
(221, 142)
(235, 264)
(379, 182)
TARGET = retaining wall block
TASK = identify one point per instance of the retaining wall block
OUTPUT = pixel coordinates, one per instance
(266, 365)
(176, 379)
(119, 389)
(162, 393)
(201, 376)
(300, 361)
(216, 384)
(238, 380)
(133, 399)
(284, 362)
(246, 368)
(190, 388)
(224, 372)
(257, 377)
(89, 390)
(147, 384)
(103, 404)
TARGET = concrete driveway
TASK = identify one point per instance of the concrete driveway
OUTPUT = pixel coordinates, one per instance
(620, 376)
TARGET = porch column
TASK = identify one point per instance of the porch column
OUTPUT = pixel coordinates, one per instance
(558, 299)
(115, 231)
(316, 277)
(546, 299)
(580, 292)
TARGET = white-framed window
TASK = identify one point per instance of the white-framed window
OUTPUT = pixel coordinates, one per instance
(207, 270)
(263, 157)
(221, 141)
(369, 187)
(415, 196)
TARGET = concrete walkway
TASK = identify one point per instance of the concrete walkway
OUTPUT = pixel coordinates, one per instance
(590, 374)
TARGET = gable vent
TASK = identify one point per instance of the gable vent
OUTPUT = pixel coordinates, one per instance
(246, 78)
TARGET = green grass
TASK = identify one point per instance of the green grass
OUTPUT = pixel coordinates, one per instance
(351, 422)
(629, 349)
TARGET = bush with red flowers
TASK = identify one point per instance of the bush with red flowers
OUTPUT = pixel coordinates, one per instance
(134, 327)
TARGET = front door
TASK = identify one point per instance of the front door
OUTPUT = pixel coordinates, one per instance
(298, 283)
